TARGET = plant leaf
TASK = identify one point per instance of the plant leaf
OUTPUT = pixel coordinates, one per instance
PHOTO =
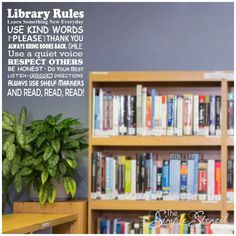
(11, 152)
(27, 147)
(37, 161)
(26, 171)
(50, 120)
(66, 185)
(72, 163)
(40, 140)
(9, 140)
(6, 166)
(51, 193)
(58, 117)
(62, 168)
(20, 135)
(53, 161)
(43, 195)
(15, 165)
(52, 171)
(27, 161)
(72, 187)
(7, 127)
(29, 137)
(47, 153)
(8, 118)
(39, 167)
(18, 183)
(23, 114)
(44, 177)
(56, 145)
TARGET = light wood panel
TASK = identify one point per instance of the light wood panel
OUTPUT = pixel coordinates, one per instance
(78, 207)
(28, 223)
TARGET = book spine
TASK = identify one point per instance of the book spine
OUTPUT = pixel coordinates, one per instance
(190, 178)
(101, 108)
(138, 173)
(108, 176)
(159, 179)
(207, 115)
(230, 110)
(133, 178)
(103, 191)
(175, 116)
(139, 108)
(202, 180)
(149, 112)
(170, 120)
(230, 180)
(143, 157)
(153, 107)
(165, 178)
(154, 177)
(218, 115)
(105, 112)
(122, 128)
(183, 180)
(211, 180)
(172, 176)
(164, 114)
(180, 116)
(147, 173)
(144, 109)
(196, 115)
(188, 107)
(195, 183)
(201, 114)
(212, 115)
(217, 180)
(94, 172)
(115, 115)
(127, 176)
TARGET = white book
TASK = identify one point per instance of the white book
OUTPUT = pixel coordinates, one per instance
(164, 114)
(139, 108)
(211, 180)
(101, 109)
(188, 108)
(114, 190)
(159, 116)
(156, 116)
(180, 109)
(144, 107)
(133, 178)
(115, 116)
(196, 115)
(94, 94)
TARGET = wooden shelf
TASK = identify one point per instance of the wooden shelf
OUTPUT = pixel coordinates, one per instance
(152, 76)
(155, 141)
(230, 141)
(230, 206)
(153, 205)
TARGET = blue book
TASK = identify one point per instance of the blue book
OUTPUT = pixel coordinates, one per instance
(108, 176)
(118, 228)
(96, 115)
(165, 177)
(195, 183)
(103, 226)
(170, 120)
(190, 178)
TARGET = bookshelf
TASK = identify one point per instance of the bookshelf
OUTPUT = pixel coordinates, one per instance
(176, 82)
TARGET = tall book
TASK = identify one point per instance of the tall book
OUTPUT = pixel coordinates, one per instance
(165, 178)
(207, 115)
(149, 112)
(170, 113)
(212, 115)
(183, 179)
(230, 180)
(188, 109)
(202, 180)
(201, 114)
(164, 114)
(217, 180)
(144, 110)
(230, 115)
(196, 115)
(139, 108)
(218, 115)
(211, 180)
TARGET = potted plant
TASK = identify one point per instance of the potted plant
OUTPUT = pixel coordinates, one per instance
(14, 151)
(55, 145)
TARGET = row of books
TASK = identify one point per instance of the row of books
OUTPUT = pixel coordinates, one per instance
(152, 225)
(146, 177)
(149, 113)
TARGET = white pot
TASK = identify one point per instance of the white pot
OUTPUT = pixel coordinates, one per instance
(61, 193)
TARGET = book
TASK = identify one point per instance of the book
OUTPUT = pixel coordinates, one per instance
(230, 114)
(230, 180)
(218, 115)
(217, 180)
(202, 180)
(196, 115)
(188, 106)
(201, 114)
(139, 109)
(211, 180)
(170, 120)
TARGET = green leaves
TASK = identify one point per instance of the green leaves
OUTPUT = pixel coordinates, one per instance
(20, 135)
(70, 186)
(43, 195)
(27, 161)
(44, 177)
(56, 145)
(47, 153)
(51, 193)
(26, 171)
(15, 165)
(9, 140)
(53, 161)
(62, 168)
(72, 163)
(6, 166)
(11, 151)
(18, 183)
(23, 114)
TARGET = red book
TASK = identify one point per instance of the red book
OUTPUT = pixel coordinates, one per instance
(202, 179)
(217, 180)
(149, 112)
(201, 114)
